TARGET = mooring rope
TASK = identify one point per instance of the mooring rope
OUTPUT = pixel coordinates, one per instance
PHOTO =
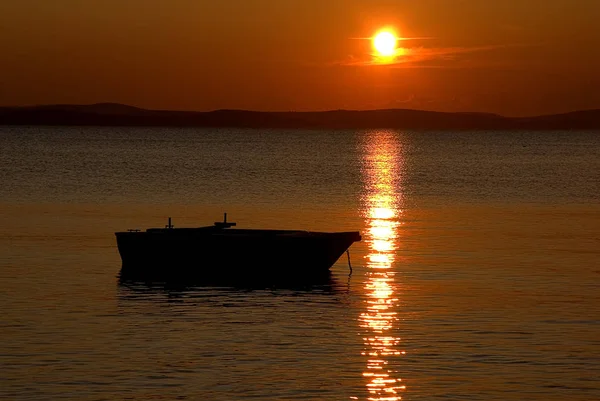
(349, 264)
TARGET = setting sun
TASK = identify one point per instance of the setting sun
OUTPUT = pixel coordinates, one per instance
(385, 43)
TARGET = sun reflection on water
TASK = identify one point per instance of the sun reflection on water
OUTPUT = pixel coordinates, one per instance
(382, 175)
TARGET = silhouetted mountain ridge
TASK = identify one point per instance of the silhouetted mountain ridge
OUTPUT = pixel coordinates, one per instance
(114, 114)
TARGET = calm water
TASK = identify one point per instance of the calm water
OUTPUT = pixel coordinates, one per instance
(478, 276)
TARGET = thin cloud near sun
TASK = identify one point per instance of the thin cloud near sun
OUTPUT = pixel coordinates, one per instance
(420, 56)
(400, 56)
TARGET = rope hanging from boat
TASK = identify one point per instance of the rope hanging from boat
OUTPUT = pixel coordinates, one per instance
(349, 264)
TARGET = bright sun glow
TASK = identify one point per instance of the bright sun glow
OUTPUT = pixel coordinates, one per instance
(385, 43)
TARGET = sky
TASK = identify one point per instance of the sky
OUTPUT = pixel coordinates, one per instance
(512, 57)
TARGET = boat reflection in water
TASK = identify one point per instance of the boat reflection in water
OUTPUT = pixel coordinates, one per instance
(382, 170)
(322, 283)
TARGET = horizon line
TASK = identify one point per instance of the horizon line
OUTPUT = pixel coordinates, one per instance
(124, 105)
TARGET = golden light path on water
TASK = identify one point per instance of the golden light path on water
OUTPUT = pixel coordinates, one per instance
(382, 168)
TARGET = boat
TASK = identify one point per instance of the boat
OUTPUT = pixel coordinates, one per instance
(220, 250)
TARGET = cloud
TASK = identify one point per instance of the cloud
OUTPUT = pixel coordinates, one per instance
(423, 57)
(399, 39)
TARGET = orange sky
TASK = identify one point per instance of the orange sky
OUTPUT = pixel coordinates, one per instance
(515, 57)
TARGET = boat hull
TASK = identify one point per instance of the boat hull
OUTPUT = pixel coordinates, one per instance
(220, 253)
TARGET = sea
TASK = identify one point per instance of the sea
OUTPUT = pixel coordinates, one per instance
(477, 277)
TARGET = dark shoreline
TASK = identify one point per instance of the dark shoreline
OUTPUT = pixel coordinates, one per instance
(108, 114)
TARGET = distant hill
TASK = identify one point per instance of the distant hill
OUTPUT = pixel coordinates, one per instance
(111, 114)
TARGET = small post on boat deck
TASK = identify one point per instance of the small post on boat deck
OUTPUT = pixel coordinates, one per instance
(225, 217)
(169, 225)
(349, 264)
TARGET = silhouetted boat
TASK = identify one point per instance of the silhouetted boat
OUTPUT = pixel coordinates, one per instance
(220, 250)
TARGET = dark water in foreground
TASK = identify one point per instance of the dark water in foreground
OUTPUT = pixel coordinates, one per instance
(478, 276)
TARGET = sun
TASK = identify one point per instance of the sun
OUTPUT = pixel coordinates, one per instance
(385, 43)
